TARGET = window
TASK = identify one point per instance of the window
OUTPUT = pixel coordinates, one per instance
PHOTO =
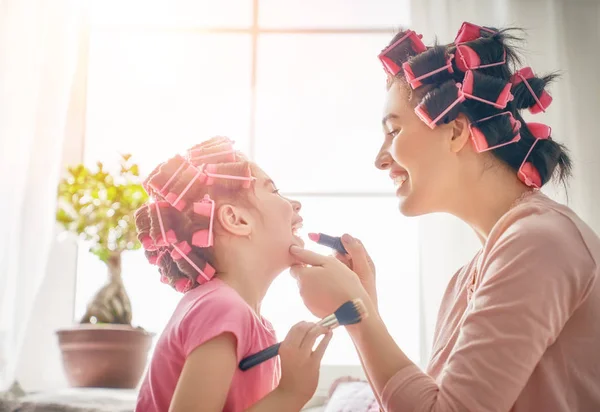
(297, 84)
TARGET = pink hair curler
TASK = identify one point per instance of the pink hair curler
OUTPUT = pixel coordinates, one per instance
(478, 138)
(469, 32)
(183, 249)
(148, 244)
(421, 111)
(416, 81)
(209, 272)
(468, 59)
(416, 43)
(183, 285)
(155, 260)
(222, 153)
(209, 171)
(204, 237)
(170, 180)
(539, 130)
(178, 202)
(527, 172)
(202, 276)
(543, 101)
(500, 103)
(167, 237)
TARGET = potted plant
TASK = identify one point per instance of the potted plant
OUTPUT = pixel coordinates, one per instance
(104, 350)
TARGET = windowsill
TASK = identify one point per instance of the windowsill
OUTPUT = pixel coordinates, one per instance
(123, 400)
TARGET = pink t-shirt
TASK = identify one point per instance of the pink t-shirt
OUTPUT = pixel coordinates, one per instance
(519, 327)
(202, 314)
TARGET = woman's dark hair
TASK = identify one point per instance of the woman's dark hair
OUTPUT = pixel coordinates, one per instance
(165, 183)
(440, 89)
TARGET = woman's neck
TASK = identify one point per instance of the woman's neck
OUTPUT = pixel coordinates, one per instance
(485, 203)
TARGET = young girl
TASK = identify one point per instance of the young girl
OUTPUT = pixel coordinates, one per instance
(220, 233)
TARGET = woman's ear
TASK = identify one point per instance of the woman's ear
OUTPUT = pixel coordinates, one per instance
(234, 220)
(460, 133)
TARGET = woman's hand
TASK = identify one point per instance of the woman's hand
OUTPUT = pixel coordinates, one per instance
(359, 261)
(299, 363)
(326, 284)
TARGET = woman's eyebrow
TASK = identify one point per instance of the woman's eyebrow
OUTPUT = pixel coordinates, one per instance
(389, 117)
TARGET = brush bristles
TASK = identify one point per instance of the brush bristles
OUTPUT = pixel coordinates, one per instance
(351, 312)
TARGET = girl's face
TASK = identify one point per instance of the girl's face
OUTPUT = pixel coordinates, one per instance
(421, 162)
(277, 221)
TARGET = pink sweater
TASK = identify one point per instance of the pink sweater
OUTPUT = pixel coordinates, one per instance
(519, 327)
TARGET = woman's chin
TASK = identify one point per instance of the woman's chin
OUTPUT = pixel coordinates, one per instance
(408, 206)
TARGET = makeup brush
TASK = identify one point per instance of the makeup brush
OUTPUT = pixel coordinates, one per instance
(349, 313)
(334, 242)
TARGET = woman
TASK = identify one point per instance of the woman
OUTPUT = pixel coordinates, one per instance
(517, 329)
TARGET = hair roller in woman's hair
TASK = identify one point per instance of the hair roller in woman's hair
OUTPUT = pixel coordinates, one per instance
(541, 102)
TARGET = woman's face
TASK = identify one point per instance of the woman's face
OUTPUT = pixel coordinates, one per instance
(420, 160)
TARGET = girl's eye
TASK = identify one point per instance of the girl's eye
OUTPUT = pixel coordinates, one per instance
(276, 191)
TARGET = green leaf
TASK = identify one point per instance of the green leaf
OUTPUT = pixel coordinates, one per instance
(99, 206)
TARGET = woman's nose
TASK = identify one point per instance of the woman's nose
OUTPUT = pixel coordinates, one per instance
(383, 161)
(296, 205)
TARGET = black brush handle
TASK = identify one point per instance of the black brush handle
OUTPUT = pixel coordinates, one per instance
(259, 357)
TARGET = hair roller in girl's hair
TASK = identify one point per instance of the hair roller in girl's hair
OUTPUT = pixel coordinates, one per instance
(210, 171)
(204, 237)
(177, 200)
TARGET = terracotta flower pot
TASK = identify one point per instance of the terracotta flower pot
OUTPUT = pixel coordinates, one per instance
(105, 356)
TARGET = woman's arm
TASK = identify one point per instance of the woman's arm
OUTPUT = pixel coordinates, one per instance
(532, 281)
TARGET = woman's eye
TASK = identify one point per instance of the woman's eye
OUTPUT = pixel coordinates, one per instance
(393, 133)
(276, 191)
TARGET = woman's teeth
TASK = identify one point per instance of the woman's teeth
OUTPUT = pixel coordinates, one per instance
(399, 180)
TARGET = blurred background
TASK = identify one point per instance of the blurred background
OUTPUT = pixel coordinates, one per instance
(298, 86)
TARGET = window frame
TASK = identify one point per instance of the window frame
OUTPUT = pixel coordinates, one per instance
(329, 373)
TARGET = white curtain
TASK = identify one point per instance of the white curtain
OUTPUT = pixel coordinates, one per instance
(40, 54)
(561, 36)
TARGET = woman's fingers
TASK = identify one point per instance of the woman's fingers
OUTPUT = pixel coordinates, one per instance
(345, 259)
(361, 261)
(307, 256)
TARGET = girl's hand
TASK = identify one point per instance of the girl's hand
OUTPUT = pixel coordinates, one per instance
(299, 363)
(326, 284)
(359, 261)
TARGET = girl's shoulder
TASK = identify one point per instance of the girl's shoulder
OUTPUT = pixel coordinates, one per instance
(211, 310)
